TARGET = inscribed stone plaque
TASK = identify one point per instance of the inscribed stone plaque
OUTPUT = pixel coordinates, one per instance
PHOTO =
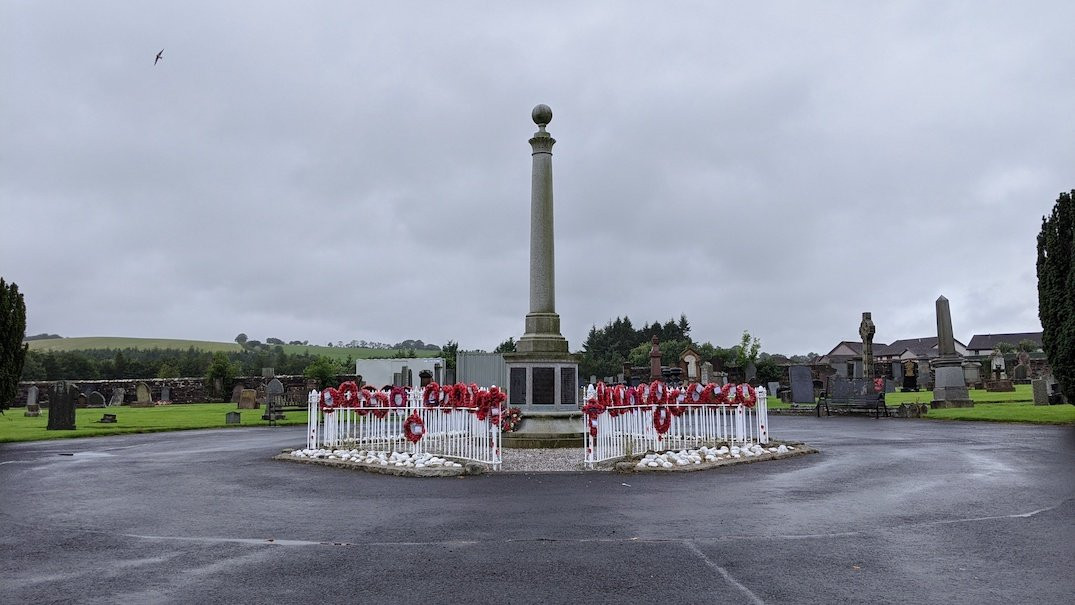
(517, 386)
(544, 386)
(802, 384)
(568, 387)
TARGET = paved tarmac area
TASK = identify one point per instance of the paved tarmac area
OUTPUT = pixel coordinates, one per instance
(890, 511)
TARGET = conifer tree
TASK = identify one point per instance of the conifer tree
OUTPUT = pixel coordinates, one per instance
(12, 349)
(1056, 291)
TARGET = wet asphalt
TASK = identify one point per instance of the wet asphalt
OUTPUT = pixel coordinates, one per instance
(890, 511)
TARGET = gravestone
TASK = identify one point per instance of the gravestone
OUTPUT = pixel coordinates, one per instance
(166, 394)
(851, 390)
(858, 369)
(117, 397)
(262, 394)
(1041, 391)
(841, 369)
(274, 400)
(248, 400)
(218, 386)
(83, 401)
(867, 331)
(909, 376)
(802, 384)
(232, 418)
(751, 372)
(108, 419)
(890, 385)
(707, 372)
(268, 372)
(949, 384)
(774, 389)
(923, 375)
(32, 408)
(1019, 372)
(96, 400)
(997, 365)
(236, 392)
(142, 396)
(972, 372)
(897, 371)
(62, 406)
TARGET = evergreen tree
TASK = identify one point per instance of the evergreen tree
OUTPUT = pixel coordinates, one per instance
(12, 349)
(1056, 291)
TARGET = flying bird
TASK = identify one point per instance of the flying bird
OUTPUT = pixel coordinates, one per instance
(160, 56)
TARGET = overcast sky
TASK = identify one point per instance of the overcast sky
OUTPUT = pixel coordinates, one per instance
(343, 170)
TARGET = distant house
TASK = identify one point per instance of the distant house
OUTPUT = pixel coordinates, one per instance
(985, 344)
(848, 350)
(914, 348)
(900, 350)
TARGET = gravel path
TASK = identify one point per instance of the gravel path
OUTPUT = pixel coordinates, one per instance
(544, 461)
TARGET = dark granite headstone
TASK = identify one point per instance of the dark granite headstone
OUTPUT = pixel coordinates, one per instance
(544, 385)
(1020, 372)
(62, 406)
(166, 394)
(274, 400)
(802, 384)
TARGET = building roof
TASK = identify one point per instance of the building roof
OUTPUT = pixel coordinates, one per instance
(981, 342)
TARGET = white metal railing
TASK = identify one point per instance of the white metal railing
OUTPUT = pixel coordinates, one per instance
(626, 430)
(446, 431)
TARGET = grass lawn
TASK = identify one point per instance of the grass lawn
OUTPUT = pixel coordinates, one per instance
(1022, 393)
(14, 426)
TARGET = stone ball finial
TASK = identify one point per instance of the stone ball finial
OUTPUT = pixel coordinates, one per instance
(542, 115)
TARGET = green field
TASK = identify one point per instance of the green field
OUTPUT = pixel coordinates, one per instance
(14, 426)
(115, 342)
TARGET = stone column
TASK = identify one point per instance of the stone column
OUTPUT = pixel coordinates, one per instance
(542, 333)
(949, 382)
(543, 374)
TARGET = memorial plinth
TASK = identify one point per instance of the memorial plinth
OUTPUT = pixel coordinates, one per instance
(542, 373)
(949, 381)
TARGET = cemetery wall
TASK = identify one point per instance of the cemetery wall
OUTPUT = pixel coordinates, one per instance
(183, 390)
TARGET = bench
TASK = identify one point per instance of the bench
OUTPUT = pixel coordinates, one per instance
(869, 402)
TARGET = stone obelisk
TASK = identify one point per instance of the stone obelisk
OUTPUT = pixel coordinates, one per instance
(949, 383)
(542, 373)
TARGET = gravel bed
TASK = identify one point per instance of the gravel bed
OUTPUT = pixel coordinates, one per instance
(545, 461)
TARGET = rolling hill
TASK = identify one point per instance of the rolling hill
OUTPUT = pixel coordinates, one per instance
(116, 342)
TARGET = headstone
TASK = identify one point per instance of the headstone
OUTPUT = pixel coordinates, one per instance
(707, 372)
(949, 384)
(248, 399)
(1041, 391)
(923, 374)
(890, 385)
(96, 400)
(274, 400)
(218, 386)
(117, 397)
(232, 418)
(268, 372)
(1020, 372)
(236, 392)
(142, 395)
(972, 372)
(261, 394)
(751, 371)
(720, 378)
(62, 406)
(774, 389)
(166, 394)
(32, 407)
(909, 376)
(996, 365)
(802, 384)
(108, 419)
(866, 331)
(897, 371)
(841, 369)
(83, 401)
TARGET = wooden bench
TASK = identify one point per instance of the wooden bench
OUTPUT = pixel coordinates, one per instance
(869, 402)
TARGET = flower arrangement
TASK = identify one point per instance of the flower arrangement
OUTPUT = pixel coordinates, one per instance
(414, 428)
(513, 417)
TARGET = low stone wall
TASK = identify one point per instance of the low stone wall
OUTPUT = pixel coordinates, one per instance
(183, 390)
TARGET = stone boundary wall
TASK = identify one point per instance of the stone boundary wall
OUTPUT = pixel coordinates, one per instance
(183, 390)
